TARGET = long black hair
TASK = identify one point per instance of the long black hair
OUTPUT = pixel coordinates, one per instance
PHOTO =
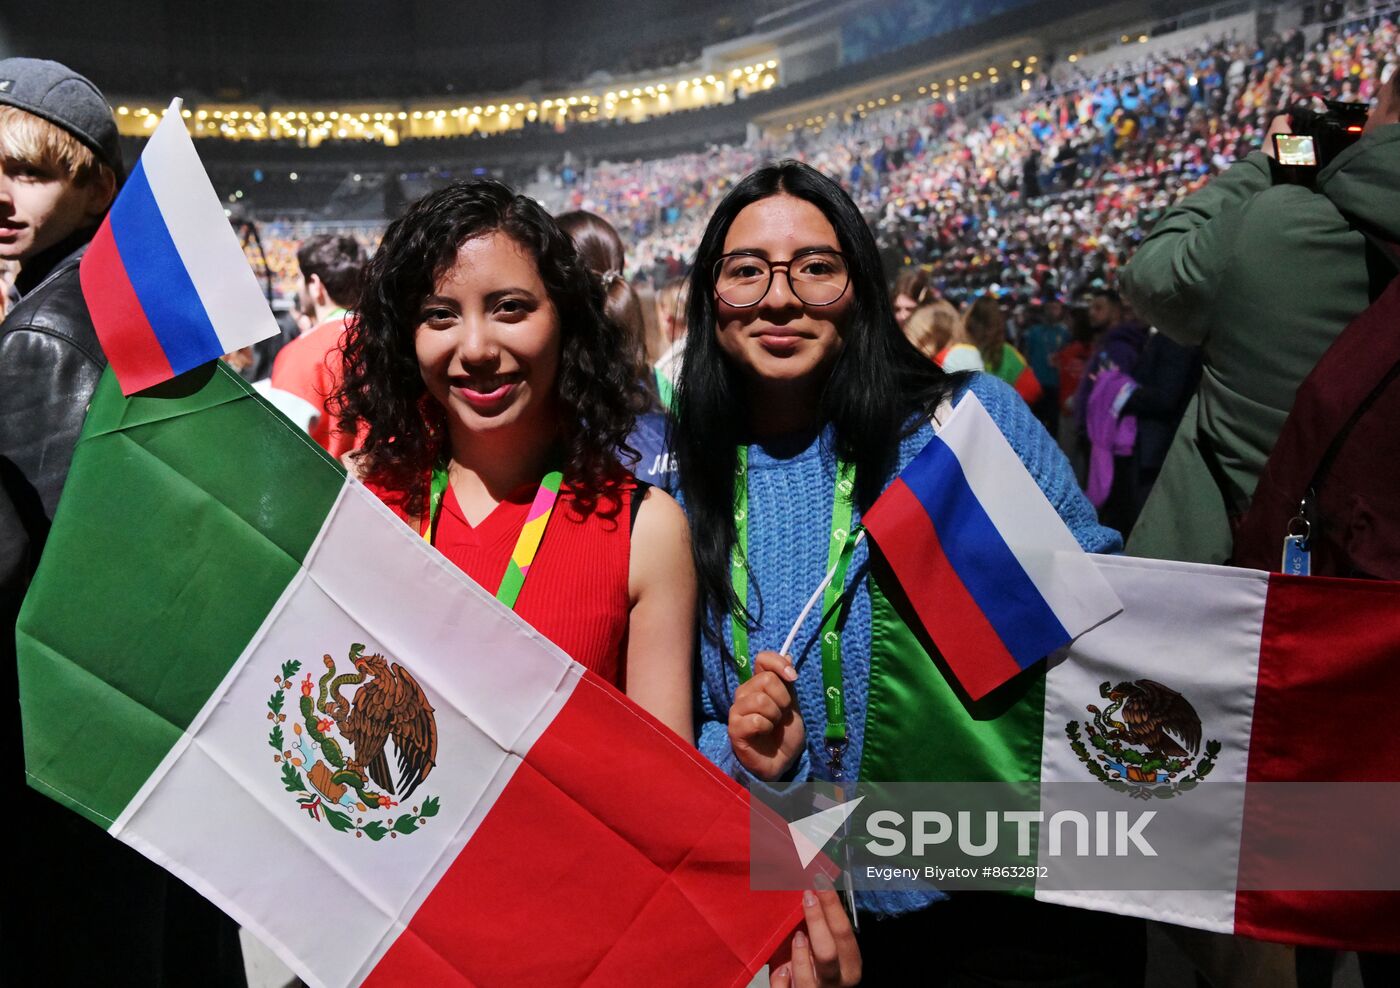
(383, 388)
(880, 389)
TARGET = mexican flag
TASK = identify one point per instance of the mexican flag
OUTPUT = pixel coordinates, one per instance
(236, 660)
(1241, 709)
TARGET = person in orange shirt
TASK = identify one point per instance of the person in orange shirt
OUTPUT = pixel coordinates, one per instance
(309, 367)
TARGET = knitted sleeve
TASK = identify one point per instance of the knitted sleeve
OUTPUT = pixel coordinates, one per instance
(1046, 463)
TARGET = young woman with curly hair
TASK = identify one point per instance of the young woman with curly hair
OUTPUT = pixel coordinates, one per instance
(485, 381)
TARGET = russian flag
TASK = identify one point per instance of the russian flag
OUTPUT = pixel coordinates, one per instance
(996, 577)
(165, 279)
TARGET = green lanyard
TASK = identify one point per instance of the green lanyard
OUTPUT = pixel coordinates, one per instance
(840, 548)
(527, 543)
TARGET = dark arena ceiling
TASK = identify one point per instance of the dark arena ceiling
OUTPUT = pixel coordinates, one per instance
(334, 49)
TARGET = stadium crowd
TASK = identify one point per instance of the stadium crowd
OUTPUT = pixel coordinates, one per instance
(1101, 157)
(1051, 240)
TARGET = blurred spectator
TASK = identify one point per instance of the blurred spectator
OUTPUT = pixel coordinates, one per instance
(309, 367)
(1156, 395)
(670, 315)
(986, 327)
(937, 331)
(909, 292)
(601, 251)
(1043, 339)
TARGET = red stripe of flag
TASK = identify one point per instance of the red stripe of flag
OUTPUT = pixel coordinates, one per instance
(126, 334)
(617, 868)
(967, 641)
(1327, 670)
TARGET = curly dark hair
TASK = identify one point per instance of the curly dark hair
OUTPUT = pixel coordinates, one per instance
(383, 388)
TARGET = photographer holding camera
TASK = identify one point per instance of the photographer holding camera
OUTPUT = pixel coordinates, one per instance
(1285, 271)
(1265, 268)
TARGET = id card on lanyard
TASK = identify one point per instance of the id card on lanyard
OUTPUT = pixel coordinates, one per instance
(840, 548)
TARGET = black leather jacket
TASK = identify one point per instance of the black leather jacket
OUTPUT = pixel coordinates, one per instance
(50, 363)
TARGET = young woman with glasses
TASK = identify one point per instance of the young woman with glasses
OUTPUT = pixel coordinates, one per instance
(798, 388)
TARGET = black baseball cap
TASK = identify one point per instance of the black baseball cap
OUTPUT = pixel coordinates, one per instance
(56, 93)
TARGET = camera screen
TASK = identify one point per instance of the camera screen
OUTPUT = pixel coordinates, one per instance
(1293, 149)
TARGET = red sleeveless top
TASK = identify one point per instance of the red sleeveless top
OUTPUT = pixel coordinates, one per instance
(576, 593)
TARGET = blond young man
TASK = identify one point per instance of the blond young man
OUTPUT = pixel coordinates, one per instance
(79, 906)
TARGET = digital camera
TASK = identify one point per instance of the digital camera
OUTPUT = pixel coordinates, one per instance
(1319, 135)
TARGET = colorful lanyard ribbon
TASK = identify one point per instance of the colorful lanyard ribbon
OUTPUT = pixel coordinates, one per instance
(840, 549)
(527, 544)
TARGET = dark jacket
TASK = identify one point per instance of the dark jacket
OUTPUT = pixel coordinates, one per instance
(50, 363)
(1166, 376)
(75, 876)
(1263, 278)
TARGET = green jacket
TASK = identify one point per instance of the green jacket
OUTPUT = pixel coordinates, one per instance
(1263, 278)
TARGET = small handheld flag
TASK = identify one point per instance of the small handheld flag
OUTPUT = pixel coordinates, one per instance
(994, 574)
(165, 280)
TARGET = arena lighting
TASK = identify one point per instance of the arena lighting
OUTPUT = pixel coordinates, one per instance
(402, 115)
(123, 110)
(1074, 58)
(186, 114)
(520, 106)
(1031, 60)
(977, 75)
(1015, 63)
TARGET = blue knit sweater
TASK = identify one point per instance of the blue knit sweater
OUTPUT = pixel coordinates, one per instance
(790, 496)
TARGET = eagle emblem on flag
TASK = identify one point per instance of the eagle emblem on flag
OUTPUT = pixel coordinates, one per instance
(336, 760)
(1146, 741)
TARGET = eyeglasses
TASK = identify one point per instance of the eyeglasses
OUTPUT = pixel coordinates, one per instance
(816, 277)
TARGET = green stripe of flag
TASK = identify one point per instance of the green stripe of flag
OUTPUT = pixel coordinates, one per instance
(127, 576)
(919, 728)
